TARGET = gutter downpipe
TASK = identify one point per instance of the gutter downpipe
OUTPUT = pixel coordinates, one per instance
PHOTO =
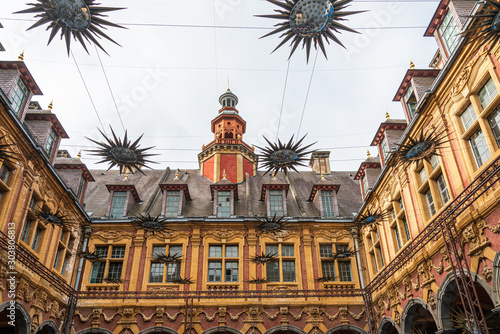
(87, 230)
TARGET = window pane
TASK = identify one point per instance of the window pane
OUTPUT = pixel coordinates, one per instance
(97, 273)
(51, 142)
(58, 255)
(102, 251)
(231, 251)
(215, 251)
(343, 248)
(118, 252)
(118, 204)
(175, 249)
(327, 201)
(345, 271)
(396, 235)
(328, 268)
(400, 201)
(449, 32)
(173, 271)
(18, 97)
(374, 261)
(215, 271)
(430, 202)
(406, 228)
(288, 271)
(272, 249)
(115, 270)
(156, 272)
(276, 203)
(172, 206)
(65, 262)
(423, 175)
(26, 229)
(36, 239)
(494, 121)
(443, 190)
(381, 256)
(4, 173)
(326, 250)
(468, 117)
(487, 93)
(479, 147)
(385, 148)
(434, 161)
(287, 250)
(231, 271)
(273, 271)
(223, 203)
(158, 250)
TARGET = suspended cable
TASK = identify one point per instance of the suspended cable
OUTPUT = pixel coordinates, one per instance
(88, 92)
(307, 94)
(109, 87)
(283, 99)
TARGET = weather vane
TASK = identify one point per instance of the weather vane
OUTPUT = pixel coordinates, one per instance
(310, 21)
(81, 19)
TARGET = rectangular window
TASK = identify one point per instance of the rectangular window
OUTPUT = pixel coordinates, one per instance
(276, 203)
(406, 228)
(385, 148)
(97, 274)
(443, 190)
(479, 147)
(326, 250)
(4, 173)
(58, 255)
(434, 162)
(287, 250)
(18, 97)
(285, 253)
(109, 261)
(430, 202)
(494, 120)
(172, 206)
(51, 142)
(288, 271)
(345, 274)
(327, 201)
(449, 32)
(156, 272)
(157, 269)
(118, 252)
(215, 271)
(228, 259)
(365, 184)
(468, 117)
(115, 270)
(223, 203)
(273, 271)
(65, 263)
(81, 185)
(118, 204)
(398, 238)
(173, 271)
(423, 175)
(487, 93)
(411, 101)
(26, 230)
(36, 239)
(328, 268)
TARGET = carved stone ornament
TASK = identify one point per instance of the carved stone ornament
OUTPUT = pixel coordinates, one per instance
(425, 272)
(487, 273)
(472, 235)
(431, 300)
(332, 234)
(464, 76)
(223, 233)
(397, 318)
(113, 234)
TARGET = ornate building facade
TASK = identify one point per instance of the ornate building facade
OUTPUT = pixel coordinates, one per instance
(403, 245)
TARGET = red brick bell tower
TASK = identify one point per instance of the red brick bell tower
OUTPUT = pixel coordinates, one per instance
(228, 153)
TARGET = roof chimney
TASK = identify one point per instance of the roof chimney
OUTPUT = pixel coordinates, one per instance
(320, 162)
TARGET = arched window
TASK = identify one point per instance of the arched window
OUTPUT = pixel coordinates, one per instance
(228, 135)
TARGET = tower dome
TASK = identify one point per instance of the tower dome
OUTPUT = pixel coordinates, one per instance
(228, 99)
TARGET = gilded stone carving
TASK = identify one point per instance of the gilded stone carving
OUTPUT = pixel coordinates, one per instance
(439, 268)
(222, 315)
(96, 317)
(343, 315)
(223, 233)
(464, 76)
(431, 300)
(284, 315)
(331, 234)
(330, 317)
(473, 236)
(113, 234)
(495, 229)
(357, 317)
(82, 318)
(487, 273)
(416, 284)
(425, 272)
(408, 290)
(397, 318)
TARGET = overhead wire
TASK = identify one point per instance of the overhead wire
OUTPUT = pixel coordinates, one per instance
(88, 92)
(109, 87)
(283, 99)
(307, 94)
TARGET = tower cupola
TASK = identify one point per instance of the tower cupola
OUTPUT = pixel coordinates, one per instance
(228, 99)
(228, 152)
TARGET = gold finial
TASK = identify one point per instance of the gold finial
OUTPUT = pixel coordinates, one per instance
(322, 176)
(79, 155)
(203, 146)
(126, 176)
(387, 114)
(412, 66)
(238, 136)
(228, 84)
(274, 175)
(176, 174)
(21, 56)
(51, 105)
(368, 153)
(224, 175)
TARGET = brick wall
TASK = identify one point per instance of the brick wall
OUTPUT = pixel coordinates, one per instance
(71, 177)
(421, 85)
(40, 130)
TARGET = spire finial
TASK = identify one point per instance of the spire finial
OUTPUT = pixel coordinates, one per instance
(79, 155)
(126, 176)
(387, 114)
(368, 153)
(322, 176)
(228, 84)
(274, 175)
(21, 56)
(176, 174)
(51, 105)
(412, 66)
(224, 175)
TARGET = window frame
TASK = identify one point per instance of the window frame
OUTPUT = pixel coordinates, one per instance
(429, 189)
(223, 260)
(325, 196)
(167, 249)
(18, 101)
(65, 244)
(123, 209)
(449, 40)
(327, 259)
(280, 260)
(106, 262)
(229, 199)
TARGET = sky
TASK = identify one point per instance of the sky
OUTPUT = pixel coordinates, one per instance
(177, 57)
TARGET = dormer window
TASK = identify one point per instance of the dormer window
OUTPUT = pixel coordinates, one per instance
(326, 200)
(276, 207)
(223, 203)
(118, 204)
(384, 147)
(51, 142)
(327, 203)
(19, 97)
(172, 204)
(174, 198)
(449, 32)
(411, 101)
(224, 194)
(365, 185)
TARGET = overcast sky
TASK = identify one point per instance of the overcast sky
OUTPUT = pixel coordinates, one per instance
(175, 60)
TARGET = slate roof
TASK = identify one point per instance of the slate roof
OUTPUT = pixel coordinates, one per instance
(249, 192)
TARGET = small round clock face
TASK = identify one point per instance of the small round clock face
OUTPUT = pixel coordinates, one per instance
(309, 17)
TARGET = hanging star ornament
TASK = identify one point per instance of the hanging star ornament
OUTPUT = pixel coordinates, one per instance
(92, 257)
(371, 217)
(167, 258)
(124, 154)
(421, 147)
(5, 153)
(272, 225)
(310, 22)
(81, 19)
(283, 157)
(151, 224)
(264, 258)
(486, 29)
(56, 218)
